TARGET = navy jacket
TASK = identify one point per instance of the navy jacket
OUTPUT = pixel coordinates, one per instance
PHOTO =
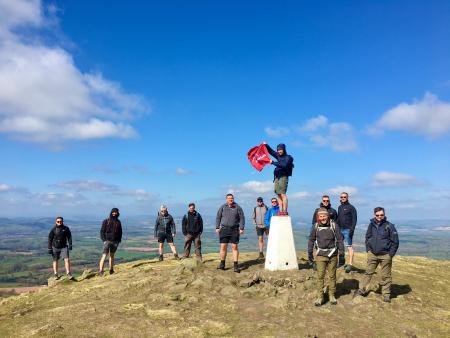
(283, 165)
(192, 223)
(382, 238)
(347, 216)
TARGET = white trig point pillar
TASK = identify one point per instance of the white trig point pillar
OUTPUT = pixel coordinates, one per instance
(281, 253)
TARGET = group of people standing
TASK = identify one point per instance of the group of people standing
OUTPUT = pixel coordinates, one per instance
(329, 232)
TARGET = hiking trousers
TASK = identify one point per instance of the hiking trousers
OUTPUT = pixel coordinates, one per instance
(188, 239)
(385, 262)
(326, 264)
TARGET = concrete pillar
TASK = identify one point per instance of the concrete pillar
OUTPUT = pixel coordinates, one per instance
(281, 254)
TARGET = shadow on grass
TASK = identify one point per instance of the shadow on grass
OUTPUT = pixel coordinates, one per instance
(245, 265)
(347, 286)
(398, 290)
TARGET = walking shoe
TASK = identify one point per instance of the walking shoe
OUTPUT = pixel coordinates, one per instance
(261, 255)
(387, 299)
(236, 268)
(101, 273)
(333, 300)
(221, 265)
(318, 301)
(348, 268)
(69, 276)
(161, 258)
(175, 256)
(360, 292)
(111, 271)
(56, 276)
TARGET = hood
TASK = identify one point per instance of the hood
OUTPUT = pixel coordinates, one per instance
(282, 146)
(116, 210)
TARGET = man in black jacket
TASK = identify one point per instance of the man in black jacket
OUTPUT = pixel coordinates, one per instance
(165, 230)
(192, 226)
(327, 205)
(347, 218)
(381, 246)
(59, 244)
(111, 235)
(327, 239)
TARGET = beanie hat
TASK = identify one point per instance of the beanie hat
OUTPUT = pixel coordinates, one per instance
(114, 210)
(323, 211)
(259, 199)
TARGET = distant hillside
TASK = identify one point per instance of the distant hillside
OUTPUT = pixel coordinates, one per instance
(180, 299)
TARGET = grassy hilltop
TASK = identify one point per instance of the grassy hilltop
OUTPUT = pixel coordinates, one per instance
(183, 299)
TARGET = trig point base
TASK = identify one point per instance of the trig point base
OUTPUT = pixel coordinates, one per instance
(281, 253)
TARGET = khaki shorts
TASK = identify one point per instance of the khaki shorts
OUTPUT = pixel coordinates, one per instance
(281, 184)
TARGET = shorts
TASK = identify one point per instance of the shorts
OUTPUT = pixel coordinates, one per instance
(261, 231)
(110, 247)
(229, 235)
(281, 184)
(163, 236)
(347, 238)
(60, 253)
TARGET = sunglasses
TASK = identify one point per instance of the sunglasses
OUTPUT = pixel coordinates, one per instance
(325, 201)
(58, 221)
(274, 202)
(379, 215)
(343, 198)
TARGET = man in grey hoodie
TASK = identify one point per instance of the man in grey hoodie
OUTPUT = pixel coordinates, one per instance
(230, 224)
(259, 211)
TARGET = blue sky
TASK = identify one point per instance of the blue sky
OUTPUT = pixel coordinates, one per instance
(134, 104)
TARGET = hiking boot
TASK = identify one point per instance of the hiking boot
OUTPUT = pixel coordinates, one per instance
(161, 258)
(111, 271)
(261, 255)
(56, 276)
(333, 300)
(221, 265)
(175, 256)
(318, 301)
(387, 299)
(360, 292)
(348, 268)
(101, 273)
(236, 268)
(69, 276)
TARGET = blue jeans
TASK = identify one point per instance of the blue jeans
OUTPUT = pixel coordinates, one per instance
(347, 238)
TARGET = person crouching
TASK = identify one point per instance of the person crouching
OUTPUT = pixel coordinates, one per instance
(327, 238)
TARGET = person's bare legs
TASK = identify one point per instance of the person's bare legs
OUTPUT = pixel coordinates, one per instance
(67, 265)
(173, 248)
(223, 251)
(102, 262)
(55, 267)
(350, 255)
(260, 243)
(280, 201)
(111, 261)
(161, 249)
(234, 248)
(285, 202)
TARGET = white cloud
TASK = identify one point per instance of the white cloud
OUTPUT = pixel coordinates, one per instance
(5, 187)
(60, 199)
(429, 117)
(140, 194)
(391, 179)
(182, 172)
(277, 132)
(87, 185)
(301, 195)
(314, 123)
(259, 187)
(44, 97)
(340, 137)
(342, 188)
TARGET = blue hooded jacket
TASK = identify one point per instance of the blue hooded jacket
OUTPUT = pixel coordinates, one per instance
(272, 211)
(284, 164)
(382, 238)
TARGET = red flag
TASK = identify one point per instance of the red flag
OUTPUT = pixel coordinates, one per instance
(259, 156)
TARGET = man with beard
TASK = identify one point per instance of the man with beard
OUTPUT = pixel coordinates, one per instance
(59, 244)
(111, 235)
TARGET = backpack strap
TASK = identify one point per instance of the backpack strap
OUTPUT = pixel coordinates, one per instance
(333, 228)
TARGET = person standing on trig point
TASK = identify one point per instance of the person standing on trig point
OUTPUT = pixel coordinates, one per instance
(284, 165)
